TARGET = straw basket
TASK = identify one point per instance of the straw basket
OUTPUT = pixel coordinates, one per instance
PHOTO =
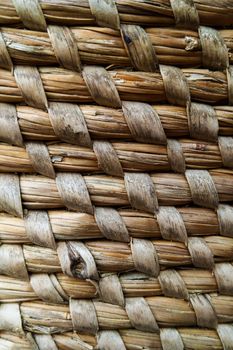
(116, 175)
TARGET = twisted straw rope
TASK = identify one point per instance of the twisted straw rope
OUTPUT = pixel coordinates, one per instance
(63, 85)
(78, 259)
(159, 12)
(89, 316)
(104, 46)
(130, 157)
(105, 123)
(67, 225)
(130, 338)
(58, 288)
(78, 193)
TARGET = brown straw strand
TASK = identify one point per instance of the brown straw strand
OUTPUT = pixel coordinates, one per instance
(137, 121)
(91, 310)
(115, 158)
(94, 255)
(113, 288)
(124, 339)
(129, 85)
(159, 13)
(140, 48)
(119, 224)
(170, 189)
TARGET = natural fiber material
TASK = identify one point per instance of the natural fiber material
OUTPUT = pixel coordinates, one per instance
(104, 123)
(87, 45)
(170, 189)
(129, 338)
(67, 86)
(123, 257)
(66, 225)
(61, 318)
(116, 175)
(160, 12)
(58, 288)
(114, 158)
(119, 287)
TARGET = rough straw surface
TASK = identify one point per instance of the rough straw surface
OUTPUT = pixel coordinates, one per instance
(116, 175)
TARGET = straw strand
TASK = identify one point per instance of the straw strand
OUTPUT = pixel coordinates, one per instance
(114, 288)
(169, 189)
(63, 318)
(102, 123)
(67, 86)
(81, 259)
(115, 158)
(124, 339)
(72, 47)
(160, 13)
(67, 225)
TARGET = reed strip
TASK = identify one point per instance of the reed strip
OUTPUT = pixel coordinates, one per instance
(136, 157)
(67, 225)
(134, 12)
(39, 192)
(67, 86)
(133, 285)
(193, 338)
(117, 257)
(96, 45)
(110, 123)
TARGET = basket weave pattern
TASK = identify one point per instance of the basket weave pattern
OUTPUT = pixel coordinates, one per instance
(116, 180)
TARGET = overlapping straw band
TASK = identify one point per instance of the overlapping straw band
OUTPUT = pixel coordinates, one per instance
(140, 122)
(186, 13)
(67, 225)
(34, 86)
(139, 190)
(87, 260)
(115, 158)
(90, 316)
(112, 288)
(132, 46)
(177, 338)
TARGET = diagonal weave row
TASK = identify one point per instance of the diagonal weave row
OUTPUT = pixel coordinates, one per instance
(66, 225)
(83, 12)
(77, 259)
(124, 339)
(33, 86)
(115, 158)
(133, 46)
(112, 288)
(107, 123)
(140, 190)
(90, 316)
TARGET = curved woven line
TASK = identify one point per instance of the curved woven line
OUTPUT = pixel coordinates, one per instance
(150, 307)
(70, 255)
(119, 127)
(118, 81)
(164, 184)
(117, 340)
(113, 289)
(219, 15)
(72, 47)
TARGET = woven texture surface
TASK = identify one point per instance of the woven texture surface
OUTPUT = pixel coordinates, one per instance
(116, 175)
